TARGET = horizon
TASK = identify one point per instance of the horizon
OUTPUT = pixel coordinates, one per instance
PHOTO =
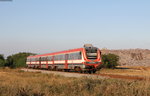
(74, 48)
(51, 26)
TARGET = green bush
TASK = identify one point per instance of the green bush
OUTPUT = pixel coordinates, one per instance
(110, 60)
(17, 60)
(2, 60)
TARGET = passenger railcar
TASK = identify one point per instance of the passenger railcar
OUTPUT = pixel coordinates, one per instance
(87, 58)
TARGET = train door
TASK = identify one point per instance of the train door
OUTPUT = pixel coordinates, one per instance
(40, 62)
(30, 62)
(46, 62)
(53, 62)
(66, 61)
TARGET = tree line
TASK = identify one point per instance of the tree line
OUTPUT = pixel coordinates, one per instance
(19, 60)
(15, 60)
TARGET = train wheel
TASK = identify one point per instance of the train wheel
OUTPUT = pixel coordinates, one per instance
(66, 70)
(38, 67)
(55, 68)
(49, 68)
(78, 69)
(90, 71)
(93, 71)
(34, 67)
(87, 72)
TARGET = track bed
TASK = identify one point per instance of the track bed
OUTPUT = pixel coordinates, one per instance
(96, 75)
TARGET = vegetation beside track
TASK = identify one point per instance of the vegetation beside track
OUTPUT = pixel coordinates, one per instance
(139, 71)
(18, 83)
(110, 60)
(15, 60)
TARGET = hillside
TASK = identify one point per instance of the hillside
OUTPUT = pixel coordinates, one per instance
(131, 57)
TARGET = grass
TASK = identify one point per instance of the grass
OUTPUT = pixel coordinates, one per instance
(128, 71)
(14, 82)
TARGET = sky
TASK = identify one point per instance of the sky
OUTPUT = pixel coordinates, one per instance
(44, 26)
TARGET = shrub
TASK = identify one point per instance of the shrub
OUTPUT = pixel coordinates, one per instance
(17, 60)
(110, 60)
(2, 60)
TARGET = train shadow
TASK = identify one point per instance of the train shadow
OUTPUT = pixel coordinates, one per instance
(122, 68)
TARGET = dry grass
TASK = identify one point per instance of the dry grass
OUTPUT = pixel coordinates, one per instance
(128, 71)
(19, 83)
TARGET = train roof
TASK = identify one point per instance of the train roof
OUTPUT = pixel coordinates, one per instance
(55, 53)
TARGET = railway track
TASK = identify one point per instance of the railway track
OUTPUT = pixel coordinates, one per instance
(77, 75)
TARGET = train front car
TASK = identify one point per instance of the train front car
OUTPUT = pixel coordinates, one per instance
(92, 57)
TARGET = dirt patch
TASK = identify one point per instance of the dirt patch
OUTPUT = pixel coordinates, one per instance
(136, 71)
(3, 73)
(124, 77)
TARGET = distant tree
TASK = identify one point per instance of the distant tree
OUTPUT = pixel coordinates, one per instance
(9, 61)
(110, 60)
(2, 60)
(2, 57)
(17, 60)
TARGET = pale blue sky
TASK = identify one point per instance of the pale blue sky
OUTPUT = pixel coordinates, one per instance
(53, 25)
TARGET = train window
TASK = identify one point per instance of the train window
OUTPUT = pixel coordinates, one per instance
(91, 53)
(43, 58)
(49, 58)
(56, 57)
(74, 56)
(70, 56)
(36, 59)
(28, 59)
(59, 57)
(32, 59)
(79, 56)
(62, 57)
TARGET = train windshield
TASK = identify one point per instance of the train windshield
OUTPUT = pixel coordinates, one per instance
(91, 53)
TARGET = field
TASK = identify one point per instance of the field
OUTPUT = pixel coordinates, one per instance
(14, 82)
(139, 71)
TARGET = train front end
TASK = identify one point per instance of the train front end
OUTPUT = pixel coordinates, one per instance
(92, 57)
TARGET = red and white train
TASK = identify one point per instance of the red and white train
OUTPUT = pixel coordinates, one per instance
(87, 58)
